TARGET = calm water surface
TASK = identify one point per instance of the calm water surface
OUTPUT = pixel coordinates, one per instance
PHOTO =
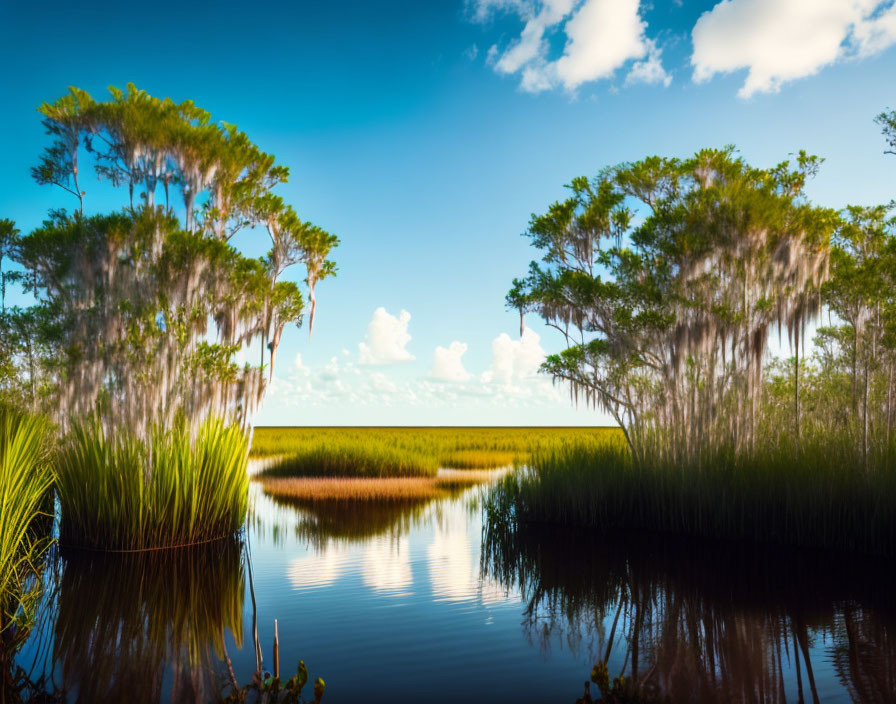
(417, 603)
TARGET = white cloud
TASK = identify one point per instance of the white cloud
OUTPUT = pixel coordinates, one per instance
(510, 381)
(299, 367)
(781, 41)
(386, 340)
(515, 360)
(447, 364)
(600, 37)
(603, 35)
(650, 69)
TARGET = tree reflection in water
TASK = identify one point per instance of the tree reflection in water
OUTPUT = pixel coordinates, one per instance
(124, 619)
(704, 622)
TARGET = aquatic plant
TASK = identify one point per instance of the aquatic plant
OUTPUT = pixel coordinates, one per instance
(480, 459)
(390, 451)
(811, 493)
(118, 491)
(370, 460)
(25, 499)
(385, 489)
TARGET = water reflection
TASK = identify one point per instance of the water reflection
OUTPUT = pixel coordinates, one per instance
(124, 620)
(371, 539)
(713, 623)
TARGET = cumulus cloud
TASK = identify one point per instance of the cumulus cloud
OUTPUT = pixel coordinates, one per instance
(650, 69)
(511, 379)
(600, 36)
(779, 41)
(515, 360)
(386, 339)
(447, 364)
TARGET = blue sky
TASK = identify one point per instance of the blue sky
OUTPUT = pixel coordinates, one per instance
(424, 134)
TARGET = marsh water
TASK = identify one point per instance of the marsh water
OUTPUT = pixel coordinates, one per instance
(430, 602)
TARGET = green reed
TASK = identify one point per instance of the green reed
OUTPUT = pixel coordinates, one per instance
(348, 460)
(118, 491)
(814, 493)
(25, 482)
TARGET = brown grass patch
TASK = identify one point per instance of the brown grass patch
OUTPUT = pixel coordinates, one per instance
(378, 489)
(352, 489)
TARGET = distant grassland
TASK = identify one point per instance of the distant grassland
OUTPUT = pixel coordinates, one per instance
(410, 452)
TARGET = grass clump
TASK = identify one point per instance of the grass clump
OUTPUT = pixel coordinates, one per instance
(25, 482)
(118, 491)
(816, 493)
(372, 461)
(349, 489)
(364, 489)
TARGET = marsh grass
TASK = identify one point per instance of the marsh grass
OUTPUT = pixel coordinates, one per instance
(349, 460)
(25, 503)
(120, 492)
(407, 452)
(481, 459)
(814, 494)
(349, 489)
(364, 489)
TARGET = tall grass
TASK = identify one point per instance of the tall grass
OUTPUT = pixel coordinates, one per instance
(352, 460)
(815, 494)
(25, 481)
(399, 452)
(121, 492)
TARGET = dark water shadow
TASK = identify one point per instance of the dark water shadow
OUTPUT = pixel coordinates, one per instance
(705, 621)
(148, 626)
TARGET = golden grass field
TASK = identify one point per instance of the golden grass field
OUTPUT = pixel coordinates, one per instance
(397, 464)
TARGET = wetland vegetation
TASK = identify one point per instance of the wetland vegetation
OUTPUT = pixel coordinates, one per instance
(667, 279)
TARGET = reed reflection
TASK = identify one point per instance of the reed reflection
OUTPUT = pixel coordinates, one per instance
(320, 522)
(707, 622)
(126, 620)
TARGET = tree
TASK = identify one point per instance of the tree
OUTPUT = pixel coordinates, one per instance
(860, 295)
(665, 277)
(887, 122)
(152, 303)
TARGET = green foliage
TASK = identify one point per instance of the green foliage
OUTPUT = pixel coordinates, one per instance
(130, 295)
(458, 448)
(345, 460)
(25, 483)
(118, 491)
(887, 122)
(810, 494)
(665, 277)
(272, 690)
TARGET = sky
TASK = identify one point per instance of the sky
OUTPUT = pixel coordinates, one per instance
(425, 134)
